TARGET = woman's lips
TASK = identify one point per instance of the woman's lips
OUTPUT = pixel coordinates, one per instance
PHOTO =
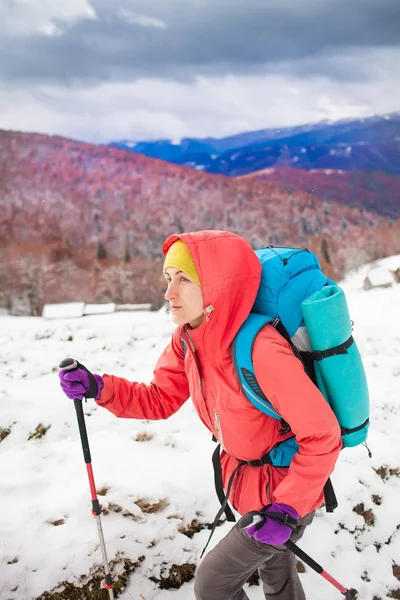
(174, 308)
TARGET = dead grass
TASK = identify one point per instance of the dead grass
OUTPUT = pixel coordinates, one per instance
(192, 528)
(396, 571)
(368, 515)
(144, 436)
(175, 577)
(300, 568)
(4, 432)
(385, 472)
(149, 508)
(89, 587)
(111, 507)
(39, 432)
(376, 499)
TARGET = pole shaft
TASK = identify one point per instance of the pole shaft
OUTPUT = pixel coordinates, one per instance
(301, 554)
(92, 485)
(334, 582)
(314, 565)
(105, 559)
(96, 508)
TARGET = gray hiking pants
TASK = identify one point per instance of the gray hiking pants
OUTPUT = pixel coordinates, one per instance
(224, 570)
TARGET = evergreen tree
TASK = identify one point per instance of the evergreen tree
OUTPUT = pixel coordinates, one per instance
(325, 250)
(101, 251)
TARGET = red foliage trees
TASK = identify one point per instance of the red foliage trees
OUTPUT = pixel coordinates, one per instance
(60, 199)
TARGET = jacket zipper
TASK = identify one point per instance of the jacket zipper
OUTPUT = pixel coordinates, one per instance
(191, 342)
(193, 348)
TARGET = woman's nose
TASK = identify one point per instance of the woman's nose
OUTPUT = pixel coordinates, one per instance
(171, 292)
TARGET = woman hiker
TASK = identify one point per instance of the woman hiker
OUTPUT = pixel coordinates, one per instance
(212, 279)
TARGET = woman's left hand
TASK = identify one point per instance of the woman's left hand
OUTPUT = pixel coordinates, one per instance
(274, 530)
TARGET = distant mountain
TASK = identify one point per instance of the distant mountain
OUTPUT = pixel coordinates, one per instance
(374, 190)
(86, 222)
(363, 144)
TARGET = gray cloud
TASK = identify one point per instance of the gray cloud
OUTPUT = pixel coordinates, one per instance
(181, 39)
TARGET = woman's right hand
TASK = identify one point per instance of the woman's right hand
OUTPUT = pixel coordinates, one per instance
(77, 382)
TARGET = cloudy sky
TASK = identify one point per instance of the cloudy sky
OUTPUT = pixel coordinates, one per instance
(100, 70)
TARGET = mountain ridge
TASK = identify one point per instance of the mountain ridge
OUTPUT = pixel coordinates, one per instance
(371, 143)
(85, 222)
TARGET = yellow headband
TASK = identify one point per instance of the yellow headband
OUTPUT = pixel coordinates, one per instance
(179, 257)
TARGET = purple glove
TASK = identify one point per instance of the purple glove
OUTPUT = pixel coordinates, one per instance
(80, 383)
(271, 531)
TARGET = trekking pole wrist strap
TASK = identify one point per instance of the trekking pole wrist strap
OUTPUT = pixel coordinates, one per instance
(283, 518)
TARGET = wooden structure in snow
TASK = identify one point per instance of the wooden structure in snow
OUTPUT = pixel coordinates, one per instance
(378, 277)
(80, 309)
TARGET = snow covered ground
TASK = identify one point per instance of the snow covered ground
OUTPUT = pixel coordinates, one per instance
(47, 533)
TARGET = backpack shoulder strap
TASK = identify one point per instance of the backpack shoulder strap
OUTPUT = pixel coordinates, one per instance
(242, 349)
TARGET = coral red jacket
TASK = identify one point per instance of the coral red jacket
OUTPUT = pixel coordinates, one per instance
(230, 273)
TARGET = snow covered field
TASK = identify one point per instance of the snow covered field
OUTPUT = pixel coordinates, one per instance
(47, 533)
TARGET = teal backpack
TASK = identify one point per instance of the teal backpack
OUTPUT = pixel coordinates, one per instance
(310, 312)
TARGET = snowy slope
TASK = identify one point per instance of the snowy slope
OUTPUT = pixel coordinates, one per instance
(47, 534)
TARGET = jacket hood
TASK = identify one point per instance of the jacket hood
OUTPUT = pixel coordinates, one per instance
(230, 275)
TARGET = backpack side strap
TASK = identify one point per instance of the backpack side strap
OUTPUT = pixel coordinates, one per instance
(335, 351)
(242, 349)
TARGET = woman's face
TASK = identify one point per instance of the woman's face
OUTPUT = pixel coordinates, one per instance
(185, 298)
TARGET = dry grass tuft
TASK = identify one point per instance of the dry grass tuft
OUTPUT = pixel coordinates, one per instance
(89, 587)
(376, 499)
(111, 507)
(147, 507)
(39, 432)
(192, 528)
(144, 436)
(385, 472)
(176, 576)
(4, 432)
(368, 515)
(300, 567)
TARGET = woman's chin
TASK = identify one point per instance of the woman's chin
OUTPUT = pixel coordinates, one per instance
(178, 319)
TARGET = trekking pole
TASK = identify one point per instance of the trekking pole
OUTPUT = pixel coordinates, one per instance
(255, 518)
(349, 594)
(107, 583)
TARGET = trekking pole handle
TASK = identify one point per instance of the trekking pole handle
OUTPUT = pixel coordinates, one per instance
(70, 364)
(252, 518)
(82, 431)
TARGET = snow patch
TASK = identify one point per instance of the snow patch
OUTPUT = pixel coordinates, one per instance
(46, 529)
